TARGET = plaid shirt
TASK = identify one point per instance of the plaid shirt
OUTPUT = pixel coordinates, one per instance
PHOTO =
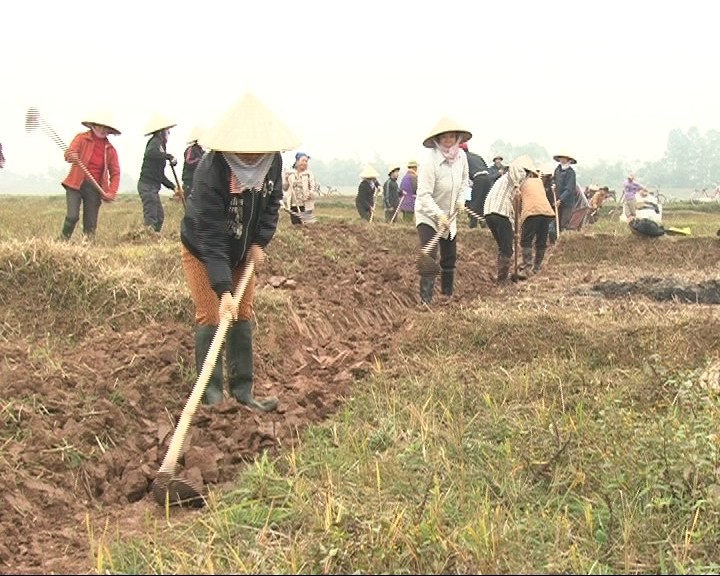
(499, 199)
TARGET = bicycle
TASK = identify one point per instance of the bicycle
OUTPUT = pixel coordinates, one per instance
(703, 196)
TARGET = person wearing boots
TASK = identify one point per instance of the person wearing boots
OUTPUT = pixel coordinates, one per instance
(152, 172)
(193, 154)
(93, 150)
(499, 212)
(442, 180)
(391, 192)
(565, 187)
(367, 191)
(230, 218)
(535, 217)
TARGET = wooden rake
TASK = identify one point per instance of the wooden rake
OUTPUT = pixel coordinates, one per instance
(426, 264)
(177, 184)
(169, 489)
(33, 120)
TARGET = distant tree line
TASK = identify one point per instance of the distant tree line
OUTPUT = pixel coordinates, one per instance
(691, 160)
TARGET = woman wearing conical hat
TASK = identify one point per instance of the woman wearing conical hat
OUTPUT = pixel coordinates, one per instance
(565, 187)
(499, 211)
(230, 218)
(192, 156)
(93, 150)
(368, 189)
(442, 181)
(152, 172)
(536, 214)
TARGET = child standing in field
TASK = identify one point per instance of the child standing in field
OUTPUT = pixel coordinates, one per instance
(93, 150)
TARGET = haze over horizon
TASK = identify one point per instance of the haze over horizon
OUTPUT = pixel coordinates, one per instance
(604, 82)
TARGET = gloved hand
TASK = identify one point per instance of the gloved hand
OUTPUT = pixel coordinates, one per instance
(171, 159)
(178, 191)
(257, 255)
(443, 221)
(227, 307)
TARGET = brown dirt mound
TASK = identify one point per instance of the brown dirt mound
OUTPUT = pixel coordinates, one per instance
(86, 420)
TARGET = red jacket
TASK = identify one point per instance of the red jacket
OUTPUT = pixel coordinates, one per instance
(83, 145)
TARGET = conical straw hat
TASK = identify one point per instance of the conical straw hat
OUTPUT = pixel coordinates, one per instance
(194, 134)
(249, 126)
(369, 172)
(446, 125)
(392, 168)
(547, 168)
(158, 122)
(566, 155)
(102, 117)
(526, 163)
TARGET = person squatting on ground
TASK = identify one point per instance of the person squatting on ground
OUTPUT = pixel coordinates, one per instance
(565, 187)
(408, 192)
(536, 214)
(480, 183)
(193, 153)
(499, 213)
(391, 192)
(367, 190)
(93, 149)
(442, 181)
(299, 186)
(230, 218)
(152, 172)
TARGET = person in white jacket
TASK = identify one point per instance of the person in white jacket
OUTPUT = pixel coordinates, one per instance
(442, 181)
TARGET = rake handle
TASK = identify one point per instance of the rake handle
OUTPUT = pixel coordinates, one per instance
(436, 238)
(169, 463)
(397, 209)
(177, 183)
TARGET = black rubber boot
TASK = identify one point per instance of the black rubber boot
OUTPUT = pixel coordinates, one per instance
(203, 339)
(525, 269)
(539, 257)
(240, 367)
(503, 268)
(447, 278)
(427, 285)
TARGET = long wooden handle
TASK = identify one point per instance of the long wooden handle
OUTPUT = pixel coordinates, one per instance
(177, 184)
(178, 439)
(557, 214)
(436, 238)
(397, 209)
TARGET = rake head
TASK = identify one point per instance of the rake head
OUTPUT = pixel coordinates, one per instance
(176, 491)
(32, 119)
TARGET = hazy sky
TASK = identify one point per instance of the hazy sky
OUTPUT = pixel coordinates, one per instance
(602, 80)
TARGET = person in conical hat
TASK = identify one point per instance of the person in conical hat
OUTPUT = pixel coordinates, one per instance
(499, 211)
(391, 192)
(535, 218)
(93, 150)
(367, 192)
(408, 191)
(152, 172)
(496, 169)
(192, 156)
(442, 181)
(299, 185)
(230, 218)
(565, 182)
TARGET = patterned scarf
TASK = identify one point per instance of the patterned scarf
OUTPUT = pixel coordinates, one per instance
(449, 153)
(246, 175)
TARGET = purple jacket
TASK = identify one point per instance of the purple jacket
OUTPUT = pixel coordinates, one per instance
(630, 189)
(408, 191)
